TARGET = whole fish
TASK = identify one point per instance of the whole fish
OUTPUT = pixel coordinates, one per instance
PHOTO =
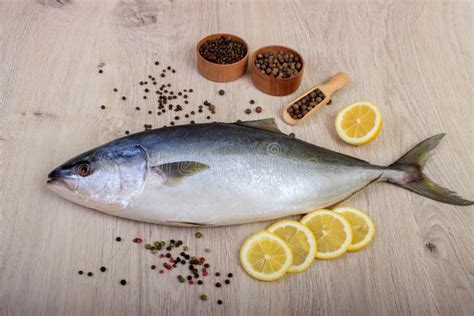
(228, 173)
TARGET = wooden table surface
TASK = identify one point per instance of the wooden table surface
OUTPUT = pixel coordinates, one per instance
(413, 58)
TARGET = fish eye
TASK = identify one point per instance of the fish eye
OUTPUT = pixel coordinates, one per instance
(83, 169)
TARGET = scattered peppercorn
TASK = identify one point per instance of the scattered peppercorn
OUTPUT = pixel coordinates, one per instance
(123, 282)
(218, 274)
(221, 92)
(219, 302)
(258, 109)
(90, 274)
(252, 102)
(153, 267)
(81, 272)
(124, 98)
(101, 71)
(230, 275)
(198, 235)
(103, 269)
(248, 111)
(118, 238)
(218, 284)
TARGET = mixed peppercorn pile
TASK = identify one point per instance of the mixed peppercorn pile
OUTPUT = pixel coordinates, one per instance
(173, 256)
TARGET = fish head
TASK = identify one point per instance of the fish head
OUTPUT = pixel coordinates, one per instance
(108, 178)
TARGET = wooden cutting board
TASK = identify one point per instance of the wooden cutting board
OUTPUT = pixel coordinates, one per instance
(414, 59)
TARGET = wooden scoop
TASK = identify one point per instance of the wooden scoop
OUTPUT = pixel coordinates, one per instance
(337, 82)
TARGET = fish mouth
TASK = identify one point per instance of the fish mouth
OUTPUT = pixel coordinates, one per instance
(54, 176)
(57, 178)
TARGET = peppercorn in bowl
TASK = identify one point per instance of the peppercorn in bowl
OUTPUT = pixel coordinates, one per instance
(222, 57)
(277, 70)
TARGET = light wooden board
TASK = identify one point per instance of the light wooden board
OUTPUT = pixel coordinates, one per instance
(413, 58)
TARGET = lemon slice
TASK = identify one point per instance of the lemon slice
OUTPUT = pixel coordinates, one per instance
(332, 231)
(301, 241)
(363, 229)
(265, 256)
(359, 123)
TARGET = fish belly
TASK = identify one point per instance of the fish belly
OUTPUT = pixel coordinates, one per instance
(243, 192)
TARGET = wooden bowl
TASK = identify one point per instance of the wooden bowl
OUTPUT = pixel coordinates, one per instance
(271, 85)
(221, 72)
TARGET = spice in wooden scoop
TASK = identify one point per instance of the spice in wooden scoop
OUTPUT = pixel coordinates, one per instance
(306, 104)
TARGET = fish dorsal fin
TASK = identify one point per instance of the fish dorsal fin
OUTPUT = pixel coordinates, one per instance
(265, 124)
(175, 172)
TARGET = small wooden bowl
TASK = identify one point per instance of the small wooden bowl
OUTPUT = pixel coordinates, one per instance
(271, 85)
(221, 72)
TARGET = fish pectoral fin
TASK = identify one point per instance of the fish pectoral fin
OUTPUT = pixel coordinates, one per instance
(175, 172)
(265, 124)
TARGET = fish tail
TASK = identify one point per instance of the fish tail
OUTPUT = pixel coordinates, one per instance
(407, 172)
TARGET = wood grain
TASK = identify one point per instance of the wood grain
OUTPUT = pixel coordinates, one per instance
(412, 58)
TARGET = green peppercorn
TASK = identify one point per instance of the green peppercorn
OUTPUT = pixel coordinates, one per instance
(148, 246)
(199, 235)
(203, 297)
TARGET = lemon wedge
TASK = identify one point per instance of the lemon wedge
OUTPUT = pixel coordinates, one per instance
(332, 231)
(363, 228)
(359, 123)
(301, 241)
(265, 256)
